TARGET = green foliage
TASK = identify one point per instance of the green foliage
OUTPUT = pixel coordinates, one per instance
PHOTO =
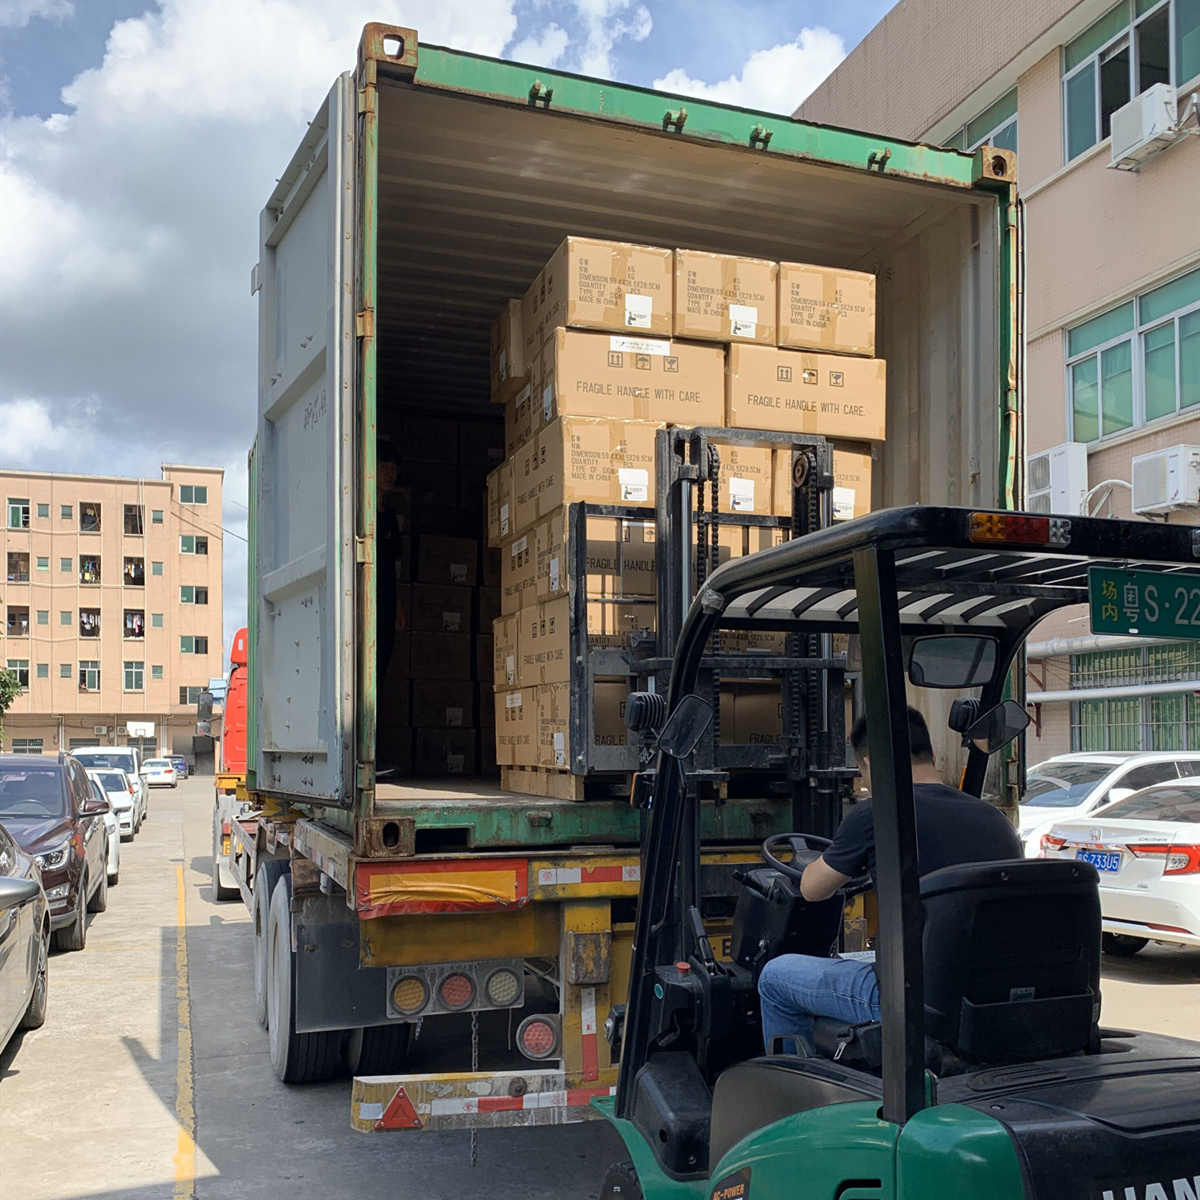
(10, 689)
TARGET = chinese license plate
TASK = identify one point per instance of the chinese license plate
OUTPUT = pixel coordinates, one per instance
(1102, 860)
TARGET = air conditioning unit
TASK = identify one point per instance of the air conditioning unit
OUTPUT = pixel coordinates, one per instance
(1166, 479)
(1143, 127)
(1056, 479)
(100, 730)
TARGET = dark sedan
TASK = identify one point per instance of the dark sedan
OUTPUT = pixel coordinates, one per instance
(50, 809)
(24, 941)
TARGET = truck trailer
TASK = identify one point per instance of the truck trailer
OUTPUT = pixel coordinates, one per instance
(427, 191)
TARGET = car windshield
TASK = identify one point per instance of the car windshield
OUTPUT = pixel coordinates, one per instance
(112, 781)
(30, 792)
(121, 759)
(1157, 804)
(1062, 784)
(158, 764)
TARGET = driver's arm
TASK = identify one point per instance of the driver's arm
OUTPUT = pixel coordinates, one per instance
(820, 880)
(848, 849)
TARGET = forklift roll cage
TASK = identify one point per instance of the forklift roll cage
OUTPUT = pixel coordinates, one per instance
(887, 576)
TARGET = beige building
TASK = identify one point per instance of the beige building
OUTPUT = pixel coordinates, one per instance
(111, 607)
(1112, 296)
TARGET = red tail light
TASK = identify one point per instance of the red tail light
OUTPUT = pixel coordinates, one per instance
(1178, 859)
(1050, 842)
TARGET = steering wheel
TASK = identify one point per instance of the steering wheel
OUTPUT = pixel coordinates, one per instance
(805, 847)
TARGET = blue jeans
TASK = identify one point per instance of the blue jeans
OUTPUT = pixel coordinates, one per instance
(794, 988)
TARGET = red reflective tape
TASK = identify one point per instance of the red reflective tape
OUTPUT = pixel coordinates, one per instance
(590, 1039)
(578, 1097)
(600, 875)
(399, 1114)
(501, 1103)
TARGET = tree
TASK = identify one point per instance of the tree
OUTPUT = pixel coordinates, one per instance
(10, 689)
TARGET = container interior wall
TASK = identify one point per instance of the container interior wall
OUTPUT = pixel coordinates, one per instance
(476, 195)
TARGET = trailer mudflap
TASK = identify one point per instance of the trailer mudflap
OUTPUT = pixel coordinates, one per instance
(472, 1100)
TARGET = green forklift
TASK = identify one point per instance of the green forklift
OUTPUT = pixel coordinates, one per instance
(989, 1074)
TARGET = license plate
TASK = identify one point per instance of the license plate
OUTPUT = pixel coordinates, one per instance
(1102, 860)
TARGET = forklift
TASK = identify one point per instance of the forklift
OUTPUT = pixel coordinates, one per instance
(989, 1074)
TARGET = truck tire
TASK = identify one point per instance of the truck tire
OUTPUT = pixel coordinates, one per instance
(621, 1183)
(224, 884)
(296, 1057)
(378, 1049)
(269, 871)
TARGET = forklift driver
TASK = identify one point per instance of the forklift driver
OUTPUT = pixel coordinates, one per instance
(952, 828)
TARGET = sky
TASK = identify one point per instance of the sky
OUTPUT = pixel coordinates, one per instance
(139, 141)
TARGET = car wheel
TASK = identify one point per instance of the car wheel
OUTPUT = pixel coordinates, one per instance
(621, 1183)
(35, 1014)
(296, 1057)
(378, 1049)
(224, 884)
(74, 936)
(98, 901)
(264, 884)
(1121, 945)
(114, 876)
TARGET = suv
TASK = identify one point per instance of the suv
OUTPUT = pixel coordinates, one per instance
(1071, 786)
(122, 758)
(51, 811)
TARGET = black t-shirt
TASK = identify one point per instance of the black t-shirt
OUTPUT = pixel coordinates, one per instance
(952, 828)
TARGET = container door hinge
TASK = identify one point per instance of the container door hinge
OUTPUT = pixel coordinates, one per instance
(256, 279)
(362, 550)
(365, 777)
(364, 323)
(366, 98)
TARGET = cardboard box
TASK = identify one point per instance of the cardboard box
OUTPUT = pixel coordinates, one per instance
(443, 704)
(427, 440)
(485, 706)
(530, 314)
(630, 379)
(751, 713)
(440, 608)
(504, 672)
(431, 484)
(544, 637)
(518, 574)
(518, 420)
(489, 606)
(555, 747)
(441, 655)
(516, 728)
(620, 557)
(796, 392)
(447, 560)
(445, 752)
(852, 472)
(508, 353)
(500, 504)
(724, 298)
(394, 749)
(394, 701)
(824, 308)
(481, 443)
(747, 477)
(490, 576)
(617, 286)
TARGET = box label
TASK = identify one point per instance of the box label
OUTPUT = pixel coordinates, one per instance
(635, 484)
(554, 574)
(456, 764)
(843, 503)
(547, 402)
(639, 311)
(743, 320)
(510, 672)
(560, 750)
(451, 622)
(454, 717)
(741, 494)
(513, 699)
(504, 518)
(502, 366)
(632, 345)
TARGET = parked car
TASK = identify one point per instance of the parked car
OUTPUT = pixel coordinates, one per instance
(182, 770)
(122, 758)
(1146, 848)
(125, 797)
(25, 943)
(51, 811)
(113, 828)
(1072, 785)
(158, 772)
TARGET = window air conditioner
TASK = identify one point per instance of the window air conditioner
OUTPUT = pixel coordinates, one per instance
(1056, 479)
(1166, 479)
(100, 730)
(1143, 127)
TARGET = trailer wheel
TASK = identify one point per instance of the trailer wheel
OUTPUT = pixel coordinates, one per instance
(296, 1057)
(268, 875)
(224, 884)
(621, 1183)
(378, 1049)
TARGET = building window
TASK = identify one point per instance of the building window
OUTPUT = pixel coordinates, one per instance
(89, 622)
(43, 562)
(156, 671)
(43, 512)
(193, 544)
(43, 616)
(189, 594)
(156, 568)
(89, 516)
(190, 695)
(18, 566)
(89, 568)
(67, 512)
(43, 670)
(132, 515)
(995, 126)
(134, 572)
(65, 564)
(20, 668)
(89, 675)
(18, 513)
(27, 745)
(192, 494)
(17, 624)
(135, 676)
(135, 623)
(64, 617)
(156, 516)
(189, 644)
(1137, 362)
(64, 670)
(1126, 51)
(156, 620)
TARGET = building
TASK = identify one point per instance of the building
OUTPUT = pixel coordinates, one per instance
(111, 606)
(1112, 295)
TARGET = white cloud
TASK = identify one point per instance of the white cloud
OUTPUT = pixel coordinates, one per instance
(16, 14)
(775, 80)
(29, 434)
(543, 49)
(606, 22)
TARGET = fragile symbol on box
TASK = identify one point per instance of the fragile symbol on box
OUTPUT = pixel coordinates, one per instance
(809, 375)
(671, 364)
(783, 374)
(641, 362)
(616, 358)
(837, 378)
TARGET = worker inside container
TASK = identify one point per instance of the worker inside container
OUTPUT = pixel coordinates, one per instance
(952, 828)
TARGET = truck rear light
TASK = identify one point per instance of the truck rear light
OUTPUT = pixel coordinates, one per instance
(428, 988)
(1052, 843)
(409, 995)
(456, 990)
(537, 1036)
(503, 988)
(1017, 529)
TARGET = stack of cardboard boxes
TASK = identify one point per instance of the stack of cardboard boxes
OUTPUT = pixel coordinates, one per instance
(611, 343)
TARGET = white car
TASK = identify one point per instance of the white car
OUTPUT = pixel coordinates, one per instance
(124, 796)
(159, 772)
(112, 826)
(1071, 786)
(1146, 848)
(121, 758)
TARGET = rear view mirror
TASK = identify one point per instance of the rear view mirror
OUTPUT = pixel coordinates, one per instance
(15, 890)
(998, 726)
(952, 661)
(685, 727)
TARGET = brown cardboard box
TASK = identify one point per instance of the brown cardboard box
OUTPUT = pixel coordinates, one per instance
(796, 392)
(825, 308)
(481, 444)
(518, 419)
(724, 298)
(394, 701)
(504, 672)
(554, 729)
(486, 707)
(489, 606)
(485, 654)
(620, 557)
(445, 752)
(852, 467)
(489, 768)
(447, 560)
(751, 713)
(543, 636)
(629, 378)
(441, 655)
(440, 608)
(500, 504)
(490, 576)
(516, 728)
(531, 312)
(430, 484)
(617, 286)
(443, 704)
(518, 573)
(747, 475)
(508, 353)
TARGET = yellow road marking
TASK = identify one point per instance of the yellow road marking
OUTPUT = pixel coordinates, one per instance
(185, 1093)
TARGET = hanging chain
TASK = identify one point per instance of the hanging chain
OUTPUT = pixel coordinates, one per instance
(474, 1069)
